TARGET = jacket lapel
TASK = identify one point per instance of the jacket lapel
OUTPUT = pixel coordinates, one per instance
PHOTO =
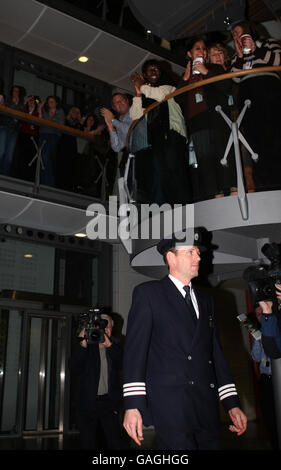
(202, 306)
(178, 308)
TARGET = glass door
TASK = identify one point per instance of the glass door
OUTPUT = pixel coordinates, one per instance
(11, 321)
(45, 373)
(32, 371)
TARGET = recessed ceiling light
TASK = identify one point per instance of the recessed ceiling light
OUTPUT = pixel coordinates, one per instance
(81, 235)
(28, 255)
(83, 58)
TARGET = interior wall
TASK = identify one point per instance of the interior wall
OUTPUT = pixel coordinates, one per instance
(125, 278)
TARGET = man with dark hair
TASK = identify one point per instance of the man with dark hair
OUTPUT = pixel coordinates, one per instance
(174, 369)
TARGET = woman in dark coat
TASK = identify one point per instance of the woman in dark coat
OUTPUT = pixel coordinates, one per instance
(206, 127)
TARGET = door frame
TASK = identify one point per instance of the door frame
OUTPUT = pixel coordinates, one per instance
(45, 315)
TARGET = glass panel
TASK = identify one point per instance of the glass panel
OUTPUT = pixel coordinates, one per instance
(53, 373)
(59, 90)
(33, 84)
(43, 402)
(10, 340)
(34, 273)
(95, 281)
(33, 374)
(72, 382)
(70, 97)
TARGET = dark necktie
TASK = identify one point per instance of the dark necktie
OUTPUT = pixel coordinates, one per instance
(189, 302)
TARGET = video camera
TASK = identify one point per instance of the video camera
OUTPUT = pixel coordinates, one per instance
(262, 278)
(94, 325)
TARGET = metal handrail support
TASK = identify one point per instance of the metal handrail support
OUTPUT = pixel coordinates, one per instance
(102, 176)
(39, 164)
(234, 138)
(130, 161)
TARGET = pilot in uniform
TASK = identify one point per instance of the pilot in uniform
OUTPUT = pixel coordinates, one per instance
(174, 369)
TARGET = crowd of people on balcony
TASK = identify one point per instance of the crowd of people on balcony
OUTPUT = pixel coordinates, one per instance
(207, 132)
(178, 144)
(68, 162)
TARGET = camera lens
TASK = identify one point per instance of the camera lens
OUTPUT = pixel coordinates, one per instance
(95, 335)
(268, 291)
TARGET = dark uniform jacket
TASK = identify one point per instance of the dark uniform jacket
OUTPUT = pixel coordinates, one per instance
(213, 94)
(85, 364)
(174, 370)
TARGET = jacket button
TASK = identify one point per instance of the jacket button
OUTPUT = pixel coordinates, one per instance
(212, 385)
(210, 362)
(191, 382)
(189, 358)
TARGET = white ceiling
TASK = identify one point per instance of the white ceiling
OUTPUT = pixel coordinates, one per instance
(53, 35)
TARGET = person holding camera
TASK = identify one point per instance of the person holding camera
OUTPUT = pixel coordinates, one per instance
(174, 369)
(271, 325)
(264, 381)
(96, 366)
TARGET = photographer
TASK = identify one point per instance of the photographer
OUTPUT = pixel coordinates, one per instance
(96, 366)
(264, 380)
(270, 326)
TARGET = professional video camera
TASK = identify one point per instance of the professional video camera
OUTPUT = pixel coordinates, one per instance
(262, 278)
(94, 325)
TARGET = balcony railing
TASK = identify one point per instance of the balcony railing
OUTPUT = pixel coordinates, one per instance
(239, 143)
(162, 168)
(81, 162)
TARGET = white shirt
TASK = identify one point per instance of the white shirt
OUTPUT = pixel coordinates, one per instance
(179, 285)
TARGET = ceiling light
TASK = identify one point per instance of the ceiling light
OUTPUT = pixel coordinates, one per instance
(83, 58)
(28, 255)
(81, 235)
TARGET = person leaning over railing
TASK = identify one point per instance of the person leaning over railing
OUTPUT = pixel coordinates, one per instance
(261, 123)
(66, 161)
(88, 168)
(218, 54)
(204, 123)
(9, 128)
(161, 167)
(51, 111)
(118, 125)
(27, 141)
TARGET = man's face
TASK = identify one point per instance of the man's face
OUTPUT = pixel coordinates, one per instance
(120, 104)
(184, 263)
(152, 74)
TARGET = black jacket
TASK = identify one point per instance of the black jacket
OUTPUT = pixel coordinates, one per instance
(85, 365)
(174, 371)
(214, 94)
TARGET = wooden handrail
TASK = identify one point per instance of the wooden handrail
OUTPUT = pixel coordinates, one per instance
(207, 81)
(40, 121)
